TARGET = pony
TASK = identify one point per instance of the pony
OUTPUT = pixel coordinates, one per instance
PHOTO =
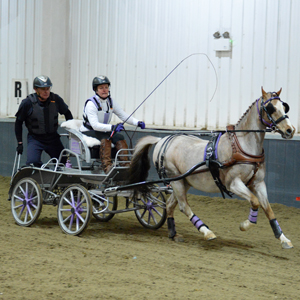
(238, 166)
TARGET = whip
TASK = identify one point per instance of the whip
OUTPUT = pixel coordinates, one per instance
(170, 74)
(167, 77)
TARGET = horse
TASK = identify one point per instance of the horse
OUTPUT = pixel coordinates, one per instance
(238, 153)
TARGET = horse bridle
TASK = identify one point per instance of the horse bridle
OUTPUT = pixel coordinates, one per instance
(269, 110)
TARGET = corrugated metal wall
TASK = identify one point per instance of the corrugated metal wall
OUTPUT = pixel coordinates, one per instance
(20, 45)
(34, 39)
(137, 43)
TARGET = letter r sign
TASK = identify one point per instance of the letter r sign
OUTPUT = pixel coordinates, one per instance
(18, 89)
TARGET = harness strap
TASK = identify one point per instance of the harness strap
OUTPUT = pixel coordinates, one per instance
(159, 167)
(239, 156)
(159, 163)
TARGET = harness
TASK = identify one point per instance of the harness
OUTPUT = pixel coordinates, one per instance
(159, 164)
(86, 122)
(213, 165)
(239, 156)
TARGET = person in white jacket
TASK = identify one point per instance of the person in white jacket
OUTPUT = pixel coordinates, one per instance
(97, 114)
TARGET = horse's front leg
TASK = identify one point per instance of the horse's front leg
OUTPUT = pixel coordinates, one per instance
(179, 195)
(238, 187)
(260, 191)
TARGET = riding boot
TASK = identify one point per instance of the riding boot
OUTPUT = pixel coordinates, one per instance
(105, 155)
(123, 154)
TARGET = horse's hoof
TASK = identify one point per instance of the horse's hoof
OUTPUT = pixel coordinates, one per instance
(210, 236)
(178, 238)
(246, 225)
(287, 245)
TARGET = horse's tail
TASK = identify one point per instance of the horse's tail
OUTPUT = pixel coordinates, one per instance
(140, 162)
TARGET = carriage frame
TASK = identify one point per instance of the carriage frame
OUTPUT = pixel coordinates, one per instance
(83, 190)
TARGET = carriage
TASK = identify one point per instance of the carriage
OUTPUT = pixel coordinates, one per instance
(233, 163)
(80, 189)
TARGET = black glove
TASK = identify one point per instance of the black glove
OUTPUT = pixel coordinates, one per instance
(20, 148)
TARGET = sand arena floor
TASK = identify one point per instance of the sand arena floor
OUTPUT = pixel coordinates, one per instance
(122, 260)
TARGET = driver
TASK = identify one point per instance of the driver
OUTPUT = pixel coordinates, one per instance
(40, 111)
(97, 114)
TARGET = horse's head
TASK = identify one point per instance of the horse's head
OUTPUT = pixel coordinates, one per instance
(275, 112)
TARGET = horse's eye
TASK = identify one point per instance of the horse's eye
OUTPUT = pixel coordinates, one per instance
(270, 108)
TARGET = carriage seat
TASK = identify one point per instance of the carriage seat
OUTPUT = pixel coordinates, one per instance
(84, 146)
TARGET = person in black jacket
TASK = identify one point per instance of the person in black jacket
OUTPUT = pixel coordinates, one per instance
(40, 111)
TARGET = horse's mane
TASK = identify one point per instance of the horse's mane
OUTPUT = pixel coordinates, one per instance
(245, 113)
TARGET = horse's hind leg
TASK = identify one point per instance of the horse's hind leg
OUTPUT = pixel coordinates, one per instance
(179, 196)
(260, 191)
(170, 207)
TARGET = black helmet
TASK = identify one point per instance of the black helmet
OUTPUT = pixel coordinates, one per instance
(42, 81)
(100, 80)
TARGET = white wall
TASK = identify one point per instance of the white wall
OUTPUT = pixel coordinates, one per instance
(137, 43)
(33, 41)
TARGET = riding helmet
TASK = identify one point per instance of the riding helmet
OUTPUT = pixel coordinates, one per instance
(100, 80)
(42, 81)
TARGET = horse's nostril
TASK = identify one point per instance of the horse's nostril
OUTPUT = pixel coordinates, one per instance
(289, 131)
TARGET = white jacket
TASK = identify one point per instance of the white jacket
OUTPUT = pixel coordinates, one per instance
(100, 119)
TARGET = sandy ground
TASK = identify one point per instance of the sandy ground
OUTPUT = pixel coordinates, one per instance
(121, 259)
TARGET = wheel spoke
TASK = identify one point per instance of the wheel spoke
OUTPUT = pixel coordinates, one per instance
(20, 214)
(26, 216)
(158, 212)
(79, 217)
(67, 200)
(29, 211)
(67, 219)
(71, 221)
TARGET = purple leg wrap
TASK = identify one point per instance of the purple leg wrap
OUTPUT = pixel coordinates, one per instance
(197, 222)
(253, 215)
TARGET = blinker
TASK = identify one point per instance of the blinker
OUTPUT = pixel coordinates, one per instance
(286, 107)
(270, 108)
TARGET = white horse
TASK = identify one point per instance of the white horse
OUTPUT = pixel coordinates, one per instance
(238, 151)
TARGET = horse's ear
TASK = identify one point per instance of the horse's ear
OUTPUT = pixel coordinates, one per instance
(278, 93)
(264, 94)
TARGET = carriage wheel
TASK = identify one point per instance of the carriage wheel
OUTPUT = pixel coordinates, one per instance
(152, 213)
(74, 209)
(26, 201)
(102, 205)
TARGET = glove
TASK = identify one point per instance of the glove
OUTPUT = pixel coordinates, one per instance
(117, 128)
(20, 148)
(141, 124)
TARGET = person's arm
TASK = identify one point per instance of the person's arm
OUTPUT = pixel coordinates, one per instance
(19, 130)
(25, 109)
(62, 107)
(68, 115)
(22, 113)
(123, 115)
